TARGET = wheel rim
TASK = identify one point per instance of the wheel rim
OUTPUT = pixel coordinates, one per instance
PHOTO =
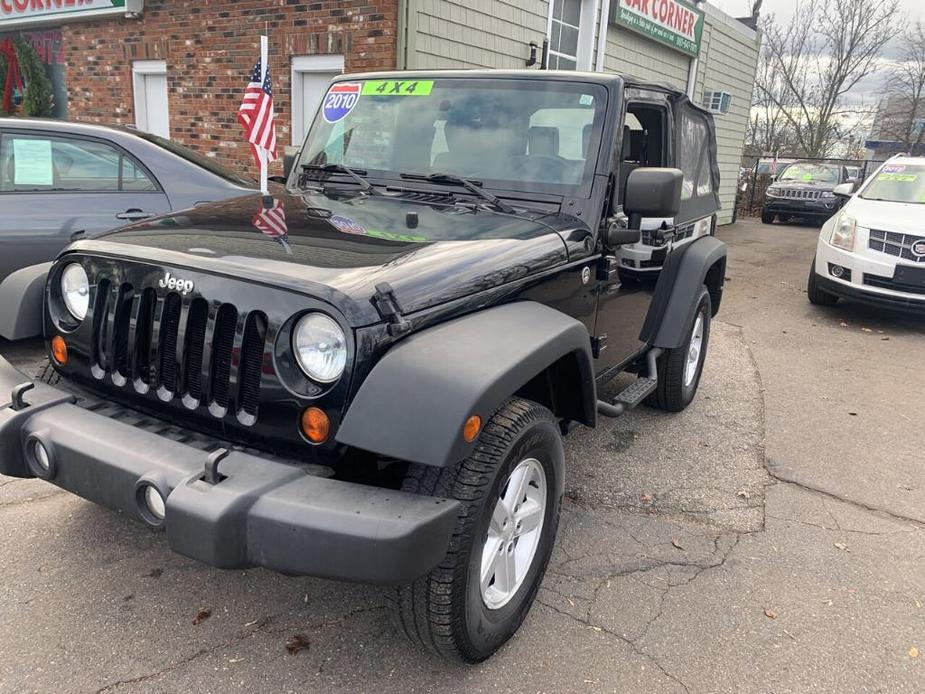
(513, 534)
(694, 350)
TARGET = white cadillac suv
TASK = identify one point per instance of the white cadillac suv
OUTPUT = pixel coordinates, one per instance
(873, 250)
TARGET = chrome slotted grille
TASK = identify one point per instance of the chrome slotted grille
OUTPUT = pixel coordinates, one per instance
(797, 194)
(208, 354)
(895, 244)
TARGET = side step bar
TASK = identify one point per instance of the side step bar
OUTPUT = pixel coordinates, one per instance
(636, 392)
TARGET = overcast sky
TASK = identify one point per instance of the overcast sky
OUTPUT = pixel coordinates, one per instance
(784, 8)
(868, 91)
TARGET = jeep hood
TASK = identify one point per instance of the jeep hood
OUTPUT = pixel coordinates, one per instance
(338, 250)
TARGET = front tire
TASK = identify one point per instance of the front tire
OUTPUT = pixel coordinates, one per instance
(679, 369)
(817, 296)
(47, 373)
(767, 218)
(510, 489)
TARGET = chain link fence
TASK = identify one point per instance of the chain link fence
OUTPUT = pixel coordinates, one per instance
(757, 173)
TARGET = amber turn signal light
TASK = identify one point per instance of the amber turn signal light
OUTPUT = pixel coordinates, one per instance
(315, 424)
(471, 428)
(59, 350)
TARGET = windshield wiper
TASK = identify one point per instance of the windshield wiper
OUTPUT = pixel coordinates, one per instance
(355, 174)
(469, 184)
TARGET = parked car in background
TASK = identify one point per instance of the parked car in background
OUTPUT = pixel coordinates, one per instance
(873, 251)
(804, 189)
(60, 181)
(772, 167)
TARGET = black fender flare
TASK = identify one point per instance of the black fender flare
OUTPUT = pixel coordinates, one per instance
(414, 403)
(22, 295)
(686, 270)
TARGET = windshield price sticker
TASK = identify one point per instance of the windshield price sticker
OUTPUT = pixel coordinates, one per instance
(898, 177)
(398, 87)
(339, 101)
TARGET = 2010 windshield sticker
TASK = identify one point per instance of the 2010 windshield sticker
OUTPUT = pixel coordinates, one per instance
(398, 87)
(340, 101)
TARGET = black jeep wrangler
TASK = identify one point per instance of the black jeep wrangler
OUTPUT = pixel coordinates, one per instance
(367, 375)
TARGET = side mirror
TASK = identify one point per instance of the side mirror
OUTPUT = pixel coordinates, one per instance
(652, 192)
(288, 161)
(844, 190)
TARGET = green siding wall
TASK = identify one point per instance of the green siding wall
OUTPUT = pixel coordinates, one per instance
(729, 57)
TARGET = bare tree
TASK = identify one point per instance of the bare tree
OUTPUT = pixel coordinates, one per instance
(829, 46)
(901, 114)
(769, 131)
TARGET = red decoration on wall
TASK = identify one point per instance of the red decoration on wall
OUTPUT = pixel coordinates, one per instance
(13, 74)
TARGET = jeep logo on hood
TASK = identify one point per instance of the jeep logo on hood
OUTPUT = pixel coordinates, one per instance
(170, 282)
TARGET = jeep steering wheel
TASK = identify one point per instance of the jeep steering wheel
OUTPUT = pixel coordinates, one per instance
(543, 167)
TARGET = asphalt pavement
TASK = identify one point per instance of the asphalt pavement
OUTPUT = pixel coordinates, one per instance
(768, 539)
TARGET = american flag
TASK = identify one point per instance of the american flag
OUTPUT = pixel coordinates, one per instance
(272, 222)
(256, 115)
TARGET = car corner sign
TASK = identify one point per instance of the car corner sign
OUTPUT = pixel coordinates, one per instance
(671, 22)
(37, 12)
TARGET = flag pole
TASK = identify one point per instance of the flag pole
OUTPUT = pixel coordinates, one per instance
(264, 57)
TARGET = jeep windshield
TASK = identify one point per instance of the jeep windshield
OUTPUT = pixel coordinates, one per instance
(506, 134)
(810, 173)
(897, 183)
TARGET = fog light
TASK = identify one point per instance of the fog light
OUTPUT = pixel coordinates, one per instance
(40, 457)
(839, 272)
(154, 502)
(40, 454)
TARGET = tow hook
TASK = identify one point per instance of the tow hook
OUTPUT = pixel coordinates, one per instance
(16, 400)
(211, 475)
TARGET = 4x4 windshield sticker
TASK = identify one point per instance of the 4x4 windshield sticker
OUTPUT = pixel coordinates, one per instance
(897, 177)
(340, 100)
(398, 87)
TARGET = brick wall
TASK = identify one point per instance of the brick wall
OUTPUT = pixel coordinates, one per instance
(210, 47)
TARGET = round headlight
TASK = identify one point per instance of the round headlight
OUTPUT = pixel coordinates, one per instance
(75, 289)
(320, 347)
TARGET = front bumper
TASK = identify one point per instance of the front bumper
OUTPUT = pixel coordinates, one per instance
(861, 267)
(262, 512)
(801, 207)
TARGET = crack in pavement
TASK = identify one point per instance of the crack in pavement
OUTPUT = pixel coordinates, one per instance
(261, 625)
(176, 665)
(13, 480)
(588, 620)
(815, 489)
(844, 530)
(629, 642)
(30, 499)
